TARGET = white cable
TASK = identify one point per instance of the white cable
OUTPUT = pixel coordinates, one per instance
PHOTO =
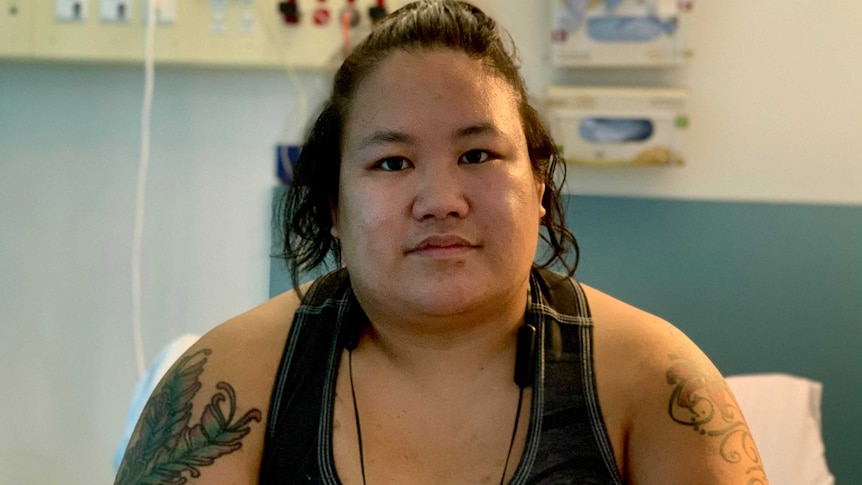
(302, 108)
(140, 197)
(302, 95)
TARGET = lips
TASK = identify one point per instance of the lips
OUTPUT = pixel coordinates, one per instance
(442, 245)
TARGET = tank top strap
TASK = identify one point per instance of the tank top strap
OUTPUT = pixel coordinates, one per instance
(573, 444)
(298, 419)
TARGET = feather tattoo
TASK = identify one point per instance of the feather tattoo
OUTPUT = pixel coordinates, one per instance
(167, 447)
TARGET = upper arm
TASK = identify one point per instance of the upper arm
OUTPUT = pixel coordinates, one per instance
(674, 418)
(205, 420)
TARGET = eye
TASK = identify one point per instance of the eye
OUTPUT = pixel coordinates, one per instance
(393, 164)
(475, 156)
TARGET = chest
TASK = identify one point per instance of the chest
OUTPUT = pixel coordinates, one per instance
(449, 434)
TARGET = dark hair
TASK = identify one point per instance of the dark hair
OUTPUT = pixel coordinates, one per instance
(305, 211)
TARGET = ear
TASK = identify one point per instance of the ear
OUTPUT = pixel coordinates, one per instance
(333, 214)
(540, 193)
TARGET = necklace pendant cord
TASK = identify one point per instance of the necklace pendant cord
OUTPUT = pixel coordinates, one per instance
(514, 433)
(356, 414)
(359, 427)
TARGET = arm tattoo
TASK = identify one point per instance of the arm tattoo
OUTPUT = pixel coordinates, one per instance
(703, 401)
(167, 447)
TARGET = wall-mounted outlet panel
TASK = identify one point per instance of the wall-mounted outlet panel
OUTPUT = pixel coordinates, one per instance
(90, 39)
(240, 33)
(16, 29)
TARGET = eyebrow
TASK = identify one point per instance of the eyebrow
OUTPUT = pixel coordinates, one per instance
(385, 136)
(394, 136)
(474, 130)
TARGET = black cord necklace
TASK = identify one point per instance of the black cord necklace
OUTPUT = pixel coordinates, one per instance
(356, 414)
(359, 427)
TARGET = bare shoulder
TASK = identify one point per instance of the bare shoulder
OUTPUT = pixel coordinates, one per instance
(205, 420)
(671, 416)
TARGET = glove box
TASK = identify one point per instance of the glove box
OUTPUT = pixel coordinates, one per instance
(618, 32)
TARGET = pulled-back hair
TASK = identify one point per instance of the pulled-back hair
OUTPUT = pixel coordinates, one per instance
(305, 213)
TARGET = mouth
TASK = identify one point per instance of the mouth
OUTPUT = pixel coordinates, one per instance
(441, 246)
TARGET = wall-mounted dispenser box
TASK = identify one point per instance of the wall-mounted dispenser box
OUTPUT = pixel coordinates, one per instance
(618, 32)
(613, 126)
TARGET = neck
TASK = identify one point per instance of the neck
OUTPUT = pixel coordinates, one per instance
(448, 345)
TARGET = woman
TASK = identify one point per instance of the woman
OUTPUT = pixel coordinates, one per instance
(438, 353)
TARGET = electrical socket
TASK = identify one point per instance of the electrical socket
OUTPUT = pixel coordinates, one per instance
(70, 10)
(115, 10)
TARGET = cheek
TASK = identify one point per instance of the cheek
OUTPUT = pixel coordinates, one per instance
(365, 218)
(526, 196)
(518, 212)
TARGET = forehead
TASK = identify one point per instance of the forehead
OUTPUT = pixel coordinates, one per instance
(432, 88)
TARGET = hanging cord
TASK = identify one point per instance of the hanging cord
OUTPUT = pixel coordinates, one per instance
(359, 426)
(302, 102)
(140, 196)
(356, 415)
(301, 116)
(514, 433)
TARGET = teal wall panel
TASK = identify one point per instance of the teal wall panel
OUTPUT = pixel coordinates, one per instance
(759, 287)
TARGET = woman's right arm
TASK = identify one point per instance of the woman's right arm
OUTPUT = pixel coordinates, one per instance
(205, 420)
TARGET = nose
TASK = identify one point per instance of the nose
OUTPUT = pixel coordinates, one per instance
(440, 194)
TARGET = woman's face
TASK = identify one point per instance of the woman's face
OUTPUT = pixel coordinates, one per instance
(438, 209)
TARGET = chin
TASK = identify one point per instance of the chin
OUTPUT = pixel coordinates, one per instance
(452, 299)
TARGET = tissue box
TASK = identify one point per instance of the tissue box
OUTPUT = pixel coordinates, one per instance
(612, 126)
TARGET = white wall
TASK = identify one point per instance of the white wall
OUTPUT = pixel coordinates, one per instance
(776, 115)
(68, 160)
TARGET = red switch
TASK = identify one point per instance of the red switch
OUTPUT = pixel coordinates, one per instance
(321, 16)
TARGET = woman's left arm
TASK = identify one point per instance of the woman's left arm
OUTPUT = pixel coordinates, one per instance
(671, 414)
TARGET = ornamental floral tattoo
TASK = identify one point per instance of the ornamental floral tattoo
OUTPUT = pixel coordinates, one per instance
(703, 401)
(167, 447)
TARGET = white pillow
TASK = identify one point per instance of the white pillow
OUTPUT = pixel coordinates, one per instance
(145, 386)
(783, 413)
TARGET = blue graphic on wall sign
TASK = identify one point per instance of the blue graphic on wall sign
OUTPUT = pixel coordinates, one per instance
(285, 161)
(612, 5)
(629, 29)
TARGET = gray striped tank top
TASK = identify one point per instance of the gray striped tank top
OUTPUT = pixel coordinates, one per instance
(567, 442)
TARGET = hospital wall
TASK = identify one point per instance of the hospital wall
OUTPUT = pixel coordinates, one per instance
(753, 248)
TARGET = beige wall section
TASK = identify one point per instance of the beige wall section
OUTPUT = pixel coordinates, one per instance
(16, 18)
